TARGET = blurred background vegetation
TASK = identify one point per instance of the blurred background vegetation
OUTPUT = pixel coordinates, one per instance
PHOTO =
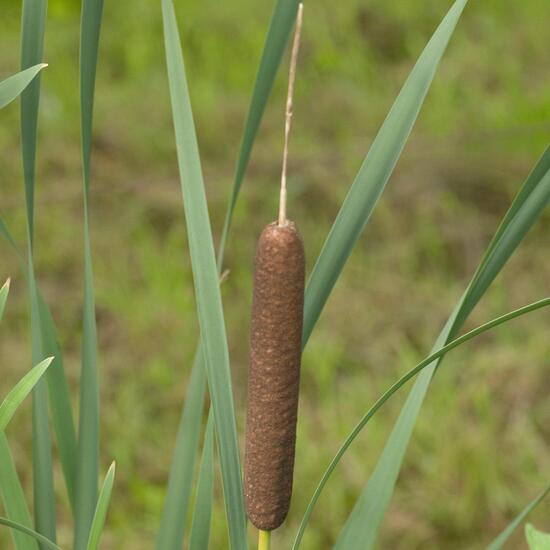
(480, 450)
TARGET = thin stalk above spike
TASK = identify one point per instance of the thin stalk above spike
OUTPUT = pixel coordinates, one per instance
(288, 112)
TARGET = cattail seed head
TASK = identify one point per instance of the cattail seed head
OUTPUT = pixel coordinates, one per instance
(276, 338)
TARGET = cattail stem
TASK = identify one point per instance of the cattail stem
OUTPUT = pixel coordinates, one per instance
(288, 113)
(264, 540)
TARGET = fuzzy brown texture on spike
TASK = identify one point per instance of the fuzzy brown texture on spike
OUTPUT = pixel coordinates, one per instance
(274, 377)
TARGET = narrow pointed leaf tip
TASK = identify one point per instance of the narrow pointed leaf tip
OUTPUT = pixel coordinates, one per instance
(499, 542)
(375, 171)
(102, 507)
(16, 396)
(4, 291)
(12, 87)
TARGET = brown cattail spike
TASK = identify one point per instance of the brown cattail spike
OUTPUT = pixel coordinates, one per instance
(276, 339)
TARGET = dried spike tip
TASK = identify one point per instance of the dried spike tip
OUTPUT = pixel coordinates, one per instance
(274, 377)
(288, 110)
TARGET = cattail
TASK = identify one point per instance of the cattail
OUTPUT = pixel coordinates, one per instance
(276, 348)
(274, 377)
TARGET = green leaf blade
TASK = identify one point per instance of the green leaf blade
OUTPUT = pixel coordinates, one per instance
(280, 29)
(499, 542)
(375, 172)
(15, 505)
(16, 396)
(4, 291)
(437, 355)
(58, 387)
(88, 435)
(102, 507)
(176, 503)
(59, 399)
(33, 24)
(45, 542)
(178, 496)
(13, 87)
(202, 513)
(205, 276)
(375, 498)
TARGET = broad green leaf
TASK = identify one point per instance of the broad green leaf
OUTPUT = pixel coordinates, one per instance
(176, 503)
(499, 542)
(202, 512)
(537, 540)
(15, 505)
(58, 388)
(101, 509)
(4, 291)
(179, 486)
(394, 388)
(207, 291)
(88, 434)
(373, 502)
(375, 172)
(32, 44)
(46, 543)
(16, 396)
(12, 87)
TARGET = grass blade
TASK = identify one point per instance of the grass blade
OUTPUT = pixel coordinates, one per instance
(202, 512)
(101, 510)
(205, 275)
(176, 503)
(13, 497)
(88, 435)
(45, 543)
(44, 494)
(32, 44)
(12, 87)
(375, 498)
(58, 388)
(10, 486)
(16, 396)
(33, 22)
(505, 535)
(5, 232)
(394, 388)
(59, 399)
(375, 172)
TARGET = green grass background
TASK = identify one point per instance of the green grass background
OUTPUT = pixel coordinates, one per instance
(480, 451)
